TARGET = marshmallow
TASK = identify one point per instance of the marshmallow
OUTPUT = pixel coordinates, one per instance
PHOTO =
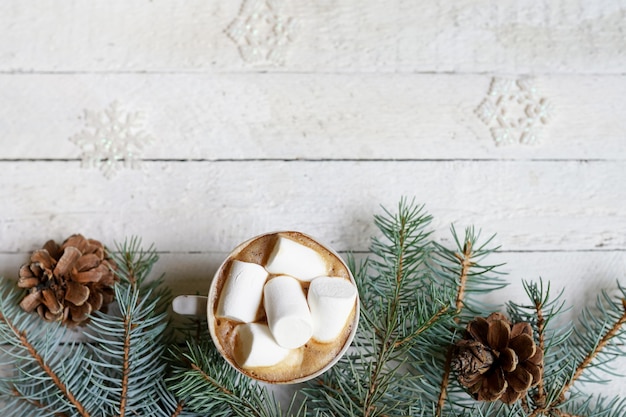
(288, 315)
(255, 346)
(289, 257)
(331, 300)
(242, 292)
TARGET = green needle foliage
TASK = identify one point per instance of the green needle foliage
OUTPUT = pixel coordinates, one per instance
(399, 304)
(417, 297)
(114, 366)
(582, 353)
(462, 269)
(207, 385)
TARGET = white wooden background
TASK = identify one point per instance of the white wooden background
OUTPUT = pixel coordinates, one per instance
(248, 116)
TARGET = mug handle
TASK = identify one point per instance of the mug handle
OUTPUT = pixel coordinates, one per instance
(190, 305)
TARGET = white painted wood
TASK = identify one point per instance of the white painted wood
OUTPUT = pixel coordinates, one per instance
(581, 275)
(212, 206)
(315, 116)
(566, 36)
(366, 102)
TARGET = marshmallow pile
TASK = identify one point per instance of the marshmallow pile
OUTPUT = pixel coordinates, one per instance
(293, 316)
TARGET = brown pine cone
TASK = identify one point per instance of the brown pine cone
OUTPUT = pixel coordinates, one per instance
(497, 360)
(68, 282)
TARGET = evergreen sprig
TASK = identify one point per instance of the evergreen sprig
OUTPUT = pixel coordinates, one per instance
(462, 270)
(373, 379)
(417, 296)
(572, 354)
(48, 371)
(207, 385)
(114, 366)
(399, 304)
(129, 348)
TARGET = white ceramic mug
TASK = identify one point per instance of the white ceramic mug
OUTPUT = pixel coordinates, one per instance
(299, 364)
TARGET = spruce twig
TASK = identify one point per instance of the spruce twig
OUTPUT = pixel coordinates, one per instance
(137, 338)
(132, 267)
(431, 322)
(387, 330)
(593, 347)
(35, 403)
(584, 364)
(125, 366)
(609, 335)
(461, 271)
(541, 327)
(540, 312)
(54, 377)
(465, 262)
(401, 258)
(178, 410)
(399, 305)
(119, 371)
(415, 296)
(42, 379)
(208, 385)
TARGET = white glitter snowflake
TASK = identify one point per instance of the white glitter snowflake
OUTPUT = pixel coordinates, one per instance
(513, 111)
(262, 31)
(112, 138)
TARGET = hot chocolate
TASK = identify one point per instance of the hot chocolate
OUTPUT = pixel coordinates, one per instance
(275, 330)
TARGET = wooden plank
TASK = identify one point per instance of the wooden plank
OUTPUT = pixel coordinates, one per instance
(212, 206)
(314, 116)
(366, 102)
(580, 275)
(395, 36)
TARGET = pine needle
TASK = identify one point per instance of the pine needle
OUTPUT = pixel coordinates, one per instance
(119, 371)
(417, 296)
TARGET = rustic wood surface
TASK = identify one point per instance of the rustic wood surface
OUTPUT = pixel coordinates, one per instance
(505, 115)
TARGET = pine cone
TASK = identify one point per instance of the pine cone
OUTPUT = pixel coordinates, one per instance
(497, 360)
(68, 282)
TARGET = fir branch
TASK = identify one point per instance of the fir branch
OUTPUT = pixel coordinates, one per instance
(214, 383)
(47, 369)
(134, 266)
(540, 397)
(129, 349)
(542, 312)
(445, 381)
(34, 403)
(57, 377)
(604, 341)
(125, 366)
(48, 372)
(459, 271)
(560, 374)
(401, 256)
(430, 323)
(592, 407)
(399, 305)
(465, 262)
(178, 410)
(208, 385)
(376, 378)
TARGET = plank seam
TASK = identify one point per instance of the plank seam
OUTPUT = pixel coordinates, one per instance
(402, 160)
